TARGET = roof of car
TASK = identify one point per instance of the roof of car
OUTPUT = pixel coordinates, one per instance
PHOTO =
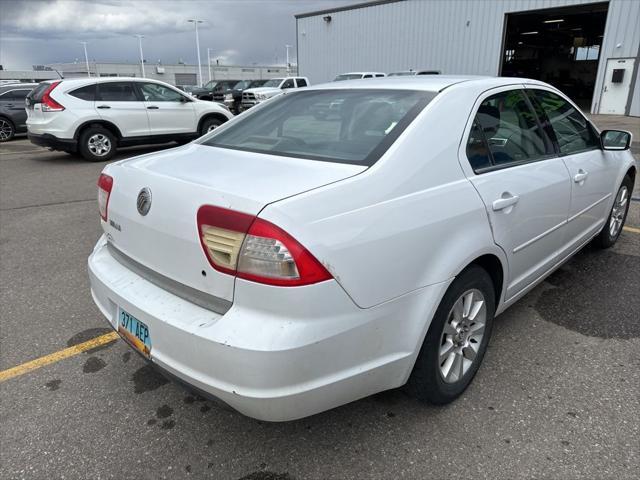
(86, 80)
(16, 86)
(432, 83)
(361, 73)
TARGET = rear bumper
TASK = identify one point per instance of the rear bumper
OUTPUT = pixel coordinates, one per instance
(50, 141)
(289, 353)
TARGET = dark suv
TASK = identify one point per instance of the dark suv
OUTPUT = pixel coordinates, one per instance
(212, 87)
(13, 116)
(232, 96)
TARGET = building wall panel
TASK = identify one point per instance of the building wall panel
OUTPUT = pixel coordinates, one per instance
(454, 36)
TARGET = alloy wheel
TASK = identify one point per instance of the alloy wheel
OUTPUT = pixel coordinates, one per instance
(6, 130)
(618, 211)
(462, 335)
(99, 144)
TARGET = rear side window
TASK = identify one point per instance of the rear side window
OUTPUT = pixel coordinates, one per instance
(301, 82)
(477, 149)
(347, 126)
(572, 131)
(87, 93)
(117, 92)
(510, 129)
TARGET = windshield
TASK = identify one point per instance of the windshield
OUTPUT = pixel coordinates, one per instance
(401, 74)
(225, 85)
(257, 83)
(347, 126)
(241, 85)
(347, 76)
(211, 84)
(274, 82)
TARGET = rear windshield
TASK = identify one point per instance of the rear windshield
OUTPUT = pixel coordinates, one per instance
(346, 126)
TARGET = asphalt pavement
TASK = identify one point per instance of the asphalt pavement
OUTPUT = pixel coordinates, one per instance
(558, 395)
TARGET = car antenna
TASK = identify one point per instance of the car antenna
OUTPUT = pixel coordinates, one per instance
(59, 74)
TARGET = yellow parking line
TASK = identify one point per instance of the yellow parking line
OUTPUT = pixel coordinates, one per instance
(631, 229)
(57, 356)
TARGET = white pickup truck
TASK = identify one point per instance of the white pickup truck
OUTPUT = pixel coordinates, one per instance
(253, 96)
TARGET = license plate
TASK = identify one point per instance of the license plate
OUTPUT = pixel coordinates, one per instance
(135, 332)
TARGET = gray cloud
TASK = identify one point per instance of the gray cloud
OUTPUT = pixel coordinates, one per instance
(237, 31)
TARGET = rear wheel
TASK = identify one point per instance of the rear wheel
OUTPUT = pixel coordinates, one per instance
(613, 226)
(97, 144)
(457, 339)
(7, 130)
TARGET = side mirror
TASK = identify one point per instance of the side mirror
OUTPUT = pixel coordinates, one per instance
(615, 140)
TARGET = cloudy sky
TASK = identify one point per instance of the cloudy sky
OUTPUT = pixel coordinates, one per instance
(237, 31)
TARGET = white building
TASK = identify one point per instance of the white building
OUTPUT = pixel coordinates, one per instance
(179, 74)
(591, 51)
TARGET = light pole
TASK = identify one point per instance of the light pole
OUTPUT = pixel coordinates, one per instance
(209, 62)
(195, 21)
(86, 58)
(140, 37)
(288, 47)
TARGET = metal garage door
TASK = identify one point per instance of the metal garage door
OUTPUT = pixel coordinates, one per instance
(186, 79)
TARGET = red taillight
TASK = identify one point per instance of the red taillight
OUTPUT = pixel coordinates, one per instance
(105, 184)
(254, 249)
(48, 103)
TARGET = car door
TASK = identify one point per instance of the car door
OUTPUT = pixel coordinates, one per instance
(170, 112)
(12, 103)
(120, 104)
(592, 172)
(523, 184)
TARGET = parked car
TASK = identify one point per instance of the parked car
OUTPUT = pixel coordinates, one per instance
(407, 73)
(287, 265)
(231, 95)
(12, 114)
(190, 89)
(275, 86)
(207, 88)
(358, 76)
(95, 116)
(213, 87)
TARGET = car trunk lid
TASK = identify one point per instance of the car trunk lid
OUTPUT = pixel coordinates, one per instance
(180, 181)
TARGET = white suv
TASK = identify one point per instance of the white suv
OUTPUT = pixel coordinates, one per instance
(275, 86)
(94, 116)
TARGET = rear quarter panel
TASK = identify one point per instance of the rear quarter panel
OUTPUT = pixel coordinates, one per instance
(411, 220)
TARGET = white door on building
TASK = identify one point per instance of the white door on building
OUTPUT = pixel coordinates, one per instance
(617, 81)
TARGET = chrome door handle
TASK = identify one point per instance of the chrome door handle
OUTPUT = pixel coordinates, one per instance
(580, 176)
(506, 201)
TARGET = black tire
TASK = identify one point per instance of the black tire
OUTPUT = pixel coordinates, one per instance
(209, 124)
(609, 235)
(87, 144)
(427, 382)
(7, 129)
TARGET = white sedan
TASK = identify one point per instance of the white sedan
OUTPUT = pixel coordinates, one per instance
(287, 264)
